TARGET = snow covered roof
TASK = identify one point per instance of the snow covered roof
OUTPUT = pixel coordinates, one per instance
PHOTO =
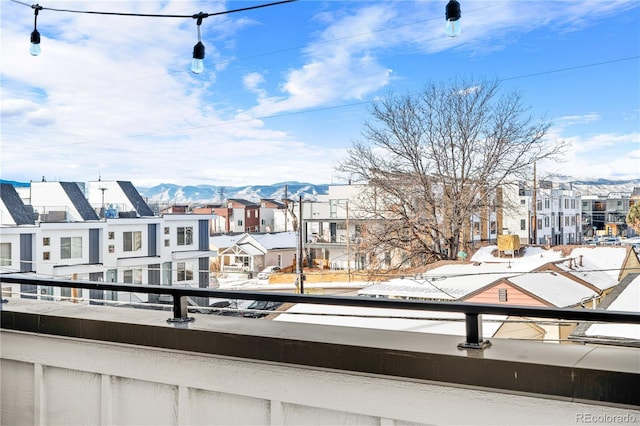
(251, 249)
(378, 318)
(627, 301)
(278, 240)
(530, 258)
(556, 289)
(224, 241)
(450, 282)
(601, 266)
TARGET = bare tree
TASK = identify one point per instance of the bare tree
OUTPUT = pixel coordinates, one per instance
(434, 159)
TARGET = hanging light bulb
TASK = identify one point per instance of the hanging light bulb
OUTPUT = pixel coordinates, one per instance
(35, 43)
(197, 63)
(453, 18)
(35, 49)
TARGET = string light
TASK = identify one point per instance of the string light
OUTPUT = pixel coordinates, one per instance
(35, 35)
(452, 13)
(197, 63)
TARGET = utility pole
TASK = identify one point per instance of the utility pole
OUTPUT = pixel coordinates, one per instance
(348, 244)
(300, 249)
(286, 205)
(535, 207)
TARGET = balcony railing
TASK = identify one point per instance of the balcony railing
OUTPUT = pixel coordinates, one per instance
(472, 311)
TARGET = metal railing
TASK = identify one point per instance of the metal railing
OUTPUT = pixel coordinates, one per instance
(472, 311)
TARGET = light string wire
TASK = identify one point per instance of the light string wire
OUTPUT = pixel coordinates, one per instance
(153, 15)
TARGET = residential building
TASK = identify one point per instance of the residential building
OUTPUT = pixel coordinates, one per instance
(250, 253)
(274, 216)
(605, 215)
(332, 227)
(237, 215)
(550, 215)
(61, 236)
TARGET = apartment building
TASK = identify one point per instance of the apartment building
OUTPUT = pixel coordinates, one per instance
(605, 215)
(61, 235)
(549, 215)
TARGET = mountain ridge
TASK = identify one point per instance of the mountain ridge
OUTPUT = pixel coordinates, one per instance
(170, 193)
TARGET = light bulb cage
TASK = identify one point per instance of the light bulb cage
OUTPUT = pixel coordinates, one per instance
(452, 11)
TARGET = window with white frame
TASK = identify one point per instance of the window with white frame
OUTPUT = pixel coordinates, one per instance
(132, 241)
(70, 247)
(546, 203)
(185, 271)
(5, 254)
(185, 235)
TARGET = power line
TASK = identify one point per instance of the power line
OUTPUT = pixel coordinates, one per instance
(327, 108)
(151, 15)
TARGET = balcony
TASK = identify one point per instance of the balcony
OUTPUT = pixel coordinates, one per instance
(72, 363)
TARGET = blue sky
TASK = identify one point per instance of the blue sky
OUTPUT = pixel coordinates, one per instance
(287, 88)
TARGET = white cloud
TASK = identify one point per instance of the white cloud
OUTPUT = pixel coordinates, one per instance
(114, 95)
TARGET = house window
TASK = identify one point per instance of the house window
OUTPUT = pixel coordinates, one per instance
(523, 202)
(573, 221)
(573, 203)
(167, 243)
(566, 203)
(523, 224)
(539, 223)
(112, 235)
(46, 255)
(166, 230)
(5, 254)
(240, 222)
(539, 205)
(185, 235)
(112, 249)
(546, 221)
(132, 276)
(70, 247)
(546, 203)
(46, 241)
(132, 241)
(502, 294)
(185, 271)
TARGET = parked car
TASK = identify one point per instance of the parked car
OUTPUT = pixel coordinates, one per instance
(611, 241)
(260, 305)
(266, 272)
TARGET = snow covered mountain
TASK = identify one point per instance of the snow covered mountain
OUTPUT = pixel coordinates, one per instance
(170, 193)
